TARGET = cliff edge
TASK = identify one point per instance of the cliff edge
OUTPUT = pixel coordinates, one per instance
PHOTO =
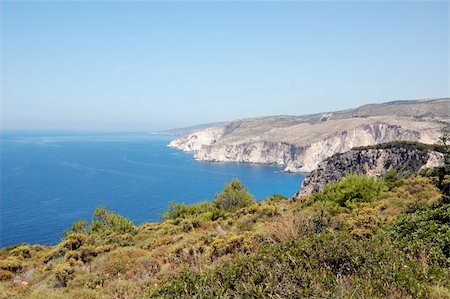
(300, 143)
(404, 157)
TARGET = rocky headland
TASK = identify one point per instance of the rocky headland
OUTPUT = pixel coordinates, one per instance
(404, 158)
(300, 143)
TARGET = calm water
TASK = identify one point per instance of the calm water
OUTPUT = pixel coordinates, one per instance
(50, 180)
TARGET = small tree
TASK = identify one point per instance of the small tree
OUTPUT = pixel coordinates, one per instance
(105, 220)
(234, 196)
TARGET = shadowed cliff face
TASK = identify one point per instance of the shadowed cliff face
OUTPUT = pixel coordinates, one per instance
(405, 158)
(302, 142)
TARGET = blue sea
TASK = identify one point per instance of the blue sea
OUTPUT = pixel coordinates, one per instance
(51, 179)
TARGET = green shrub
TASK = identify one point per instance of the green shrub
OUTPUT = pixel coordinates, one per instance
(183, 211)
(391, 178)
(105, 220)
(234, 196)
(351, 190)
(324, 265)
(80, 226)
(425, 233)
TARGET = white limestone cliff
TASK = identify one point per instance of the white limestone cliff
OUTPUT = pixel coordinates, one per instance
(301, 143)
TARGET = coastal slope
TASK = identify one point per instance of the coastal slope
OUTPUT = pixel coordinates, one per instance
(300, 143)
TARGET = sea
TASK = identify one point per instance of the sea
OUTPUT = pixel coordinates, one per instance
(51, 179)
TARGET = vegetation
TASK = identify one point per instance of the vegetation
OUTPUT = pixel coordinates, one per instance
(361, 237)
(441, 175)
(351, 190)
(178, 211)
(408, 145)
(425, 233)
(234, 196)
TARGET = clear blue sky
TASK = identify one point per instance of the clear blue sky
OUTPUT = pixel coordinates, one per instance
(155, 65)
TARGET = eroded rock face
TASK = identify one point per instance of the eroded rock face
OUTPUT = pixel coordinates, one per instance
(254, 152)
(207, 146)
(300, 143)
(405, 158)
(194, 141)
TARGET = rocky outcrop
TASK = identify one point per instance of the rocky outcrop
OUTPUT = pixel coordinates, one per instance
(295, 158)
(405, 158)
(300, 143)
(303, 158)
(194, 141)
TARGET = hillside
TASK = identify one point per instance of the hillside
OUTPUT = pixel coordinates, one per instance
(362, 237)
(300, 143)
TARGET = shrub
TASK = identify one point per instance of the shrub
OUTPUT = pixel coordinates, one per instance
(73, 241)
(11, 263)
(87, 280)
(22, 251)
(366, 220)
(228, 244)
(351, 190)
(234, 196)
(63, 273)
(80, 226)
(183, 211)
(189, 224)
(425, 233)
(105, 220)
(391, 178)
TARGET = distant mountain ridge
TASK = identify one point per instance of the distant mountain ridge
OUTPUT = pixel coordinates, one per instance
(300, 143)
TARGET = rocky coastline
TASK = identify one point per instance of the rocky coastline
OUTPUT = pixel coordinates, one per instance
(300, 143)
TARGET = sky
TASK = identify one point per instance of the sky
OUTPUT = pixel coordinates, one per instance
(147, 65)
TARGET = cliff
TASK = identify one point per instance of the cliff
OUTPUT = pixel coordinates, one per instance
(300, 143)
(404, 157)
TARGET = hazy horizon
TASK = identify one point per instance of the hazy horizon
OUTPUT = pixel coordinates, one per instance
(152, 66)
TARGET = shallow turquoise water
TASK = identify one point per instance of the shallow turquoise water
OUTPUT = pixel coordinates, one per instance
(49, 180)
